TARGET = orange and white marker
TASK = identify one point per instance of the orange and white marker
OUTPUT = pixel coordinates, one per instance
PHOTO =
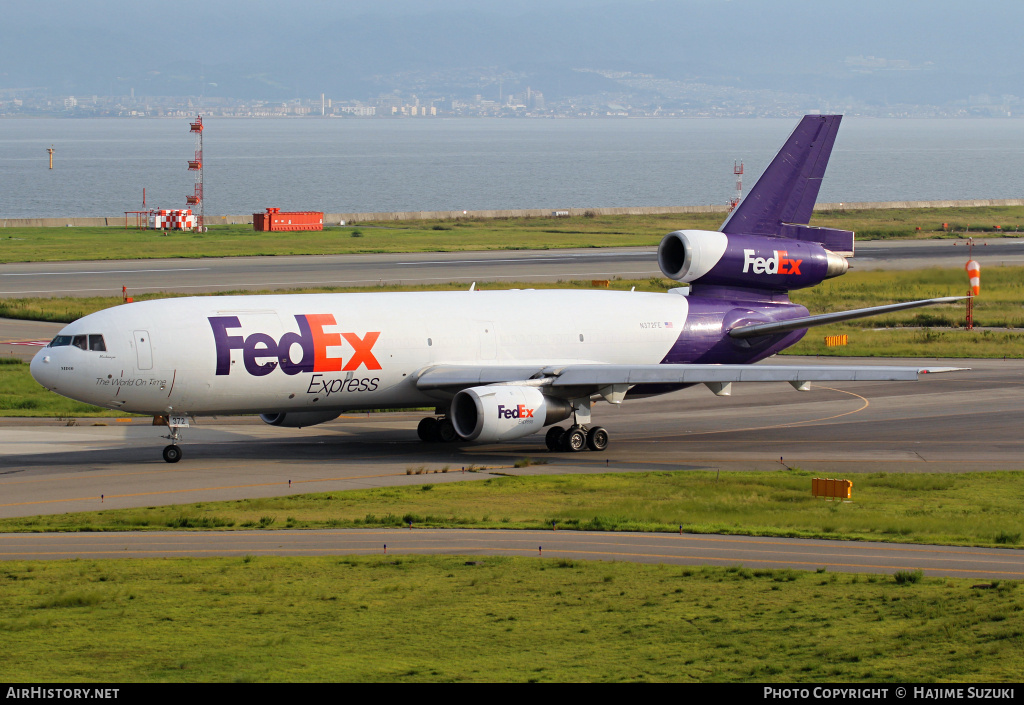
(974, 272)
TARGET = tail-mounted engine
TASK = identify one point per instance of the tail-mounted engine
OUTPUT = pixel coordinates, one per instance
(501, 413)
(703, 257)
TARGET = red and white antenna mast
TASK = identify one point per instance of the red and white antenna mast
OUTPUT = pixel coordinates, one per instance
(196, 165)
(737, 169)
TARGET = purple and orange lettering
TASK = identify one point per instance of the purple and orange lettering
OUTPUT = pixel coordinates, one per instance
(322, 340)
(363, 351)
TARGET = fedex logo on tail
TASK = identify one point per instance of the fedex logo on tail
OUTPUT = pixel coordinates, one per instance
(779, 264)
(262, 354)
(516, 412)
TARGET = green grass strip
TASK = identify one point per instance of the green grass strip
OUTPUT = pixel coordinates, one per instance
(37, 244)
(450, 619)
(971, 509)
(68, 309)
(22, 396)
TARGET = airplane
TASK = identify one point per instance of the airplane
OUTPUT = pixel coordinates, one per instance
(496, 365)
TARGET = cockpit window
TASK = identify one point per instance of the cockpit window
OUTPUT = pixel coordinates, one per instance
(85, 342)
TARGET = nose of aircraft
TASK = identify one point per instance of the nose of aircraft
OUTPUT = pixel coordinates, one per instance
(44, 369)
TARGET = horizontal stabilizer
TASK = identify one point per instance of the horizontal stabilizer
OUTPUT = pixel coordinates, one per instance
(838, 241)
(752, 331)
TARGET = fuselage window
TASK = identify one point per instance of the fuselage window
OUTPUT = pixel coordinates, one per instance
(60, 341)
(81, 341)
(96, 343)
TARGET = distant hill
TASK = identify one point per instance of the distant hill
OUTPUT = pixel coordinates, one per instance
(914, 51)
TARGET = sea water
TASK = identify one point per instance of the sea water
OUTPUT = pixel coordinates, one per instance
(101, 166)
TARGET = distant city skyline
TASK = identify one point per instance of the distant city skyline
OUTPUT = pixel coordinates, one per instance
(702, 102)
(618, 57)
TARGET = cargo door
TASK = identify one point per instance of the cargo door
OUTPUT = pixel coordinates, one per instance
(144, 350)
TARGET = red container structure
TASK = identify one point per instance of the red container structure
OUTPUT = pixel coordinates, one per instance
(276, 221)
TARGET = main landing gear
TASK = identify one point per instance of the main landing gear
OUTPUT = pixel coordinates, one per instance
(439, 429)
(576, 438)
(433, 429)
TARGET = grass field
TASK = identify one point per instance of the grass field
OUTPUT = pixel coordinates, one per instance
(67, 309)
(934, 331)
(975, 509)
(447, 619)
(52, 244)
(60, 244)
(20, 395)
(917, 223)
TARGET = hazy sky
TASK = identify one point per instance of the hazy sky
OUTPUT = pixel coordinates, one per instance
(921, 50)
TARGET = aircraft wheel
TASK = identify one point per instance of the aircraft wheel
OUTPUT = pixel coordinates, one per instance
(597, 438)
(172, 454)
(427, 429)
(445, 431)
(553, 439)
(574, 440)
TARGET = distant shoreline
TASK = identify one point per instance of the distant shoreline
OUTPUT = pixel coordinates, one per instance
(348, 218)
(207, 114)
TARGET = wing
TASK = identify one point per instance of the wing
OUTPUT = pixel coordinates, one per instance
(612, 381)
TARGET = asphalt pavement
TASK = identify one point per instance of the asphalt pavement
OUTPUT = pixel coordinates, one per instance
(498, 266)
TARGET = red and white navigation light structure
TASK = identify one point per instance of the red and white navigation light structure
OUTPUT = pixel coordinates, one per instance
(196, 165)
(737, 169)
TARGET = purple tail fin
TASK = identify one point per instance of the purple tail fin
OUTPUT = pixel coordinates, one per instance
(783, 198)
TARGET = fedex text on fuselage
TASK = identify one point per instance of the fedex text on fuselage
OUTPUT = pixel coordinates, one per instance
(779, 263)
(262, 354)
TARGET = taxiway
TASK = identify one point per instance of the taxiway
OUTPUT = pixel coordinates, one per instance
(952, 422)
(279, 273)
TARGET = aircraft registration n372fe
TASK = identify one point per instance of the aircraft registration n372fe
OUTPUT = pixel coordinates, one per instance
(497, 365)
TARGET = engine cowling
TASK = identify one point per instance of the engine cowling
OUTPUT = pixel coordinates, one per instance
(747, 261)
(299, 419)
(501, 413)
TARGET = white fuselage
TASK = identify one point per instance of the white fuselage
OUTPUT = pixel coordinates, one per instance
(312, 352)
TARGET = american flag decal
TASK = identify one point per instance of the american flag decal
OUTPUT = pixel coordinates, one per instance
(668, 324)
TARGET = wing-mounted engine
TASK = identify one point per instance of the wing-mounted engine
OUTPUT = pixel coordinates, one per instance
(707, 258)
(503, 412)
(299, 419)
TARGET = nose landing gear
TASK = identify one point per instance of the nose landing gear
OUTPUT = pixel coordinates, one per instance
(175, 423)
